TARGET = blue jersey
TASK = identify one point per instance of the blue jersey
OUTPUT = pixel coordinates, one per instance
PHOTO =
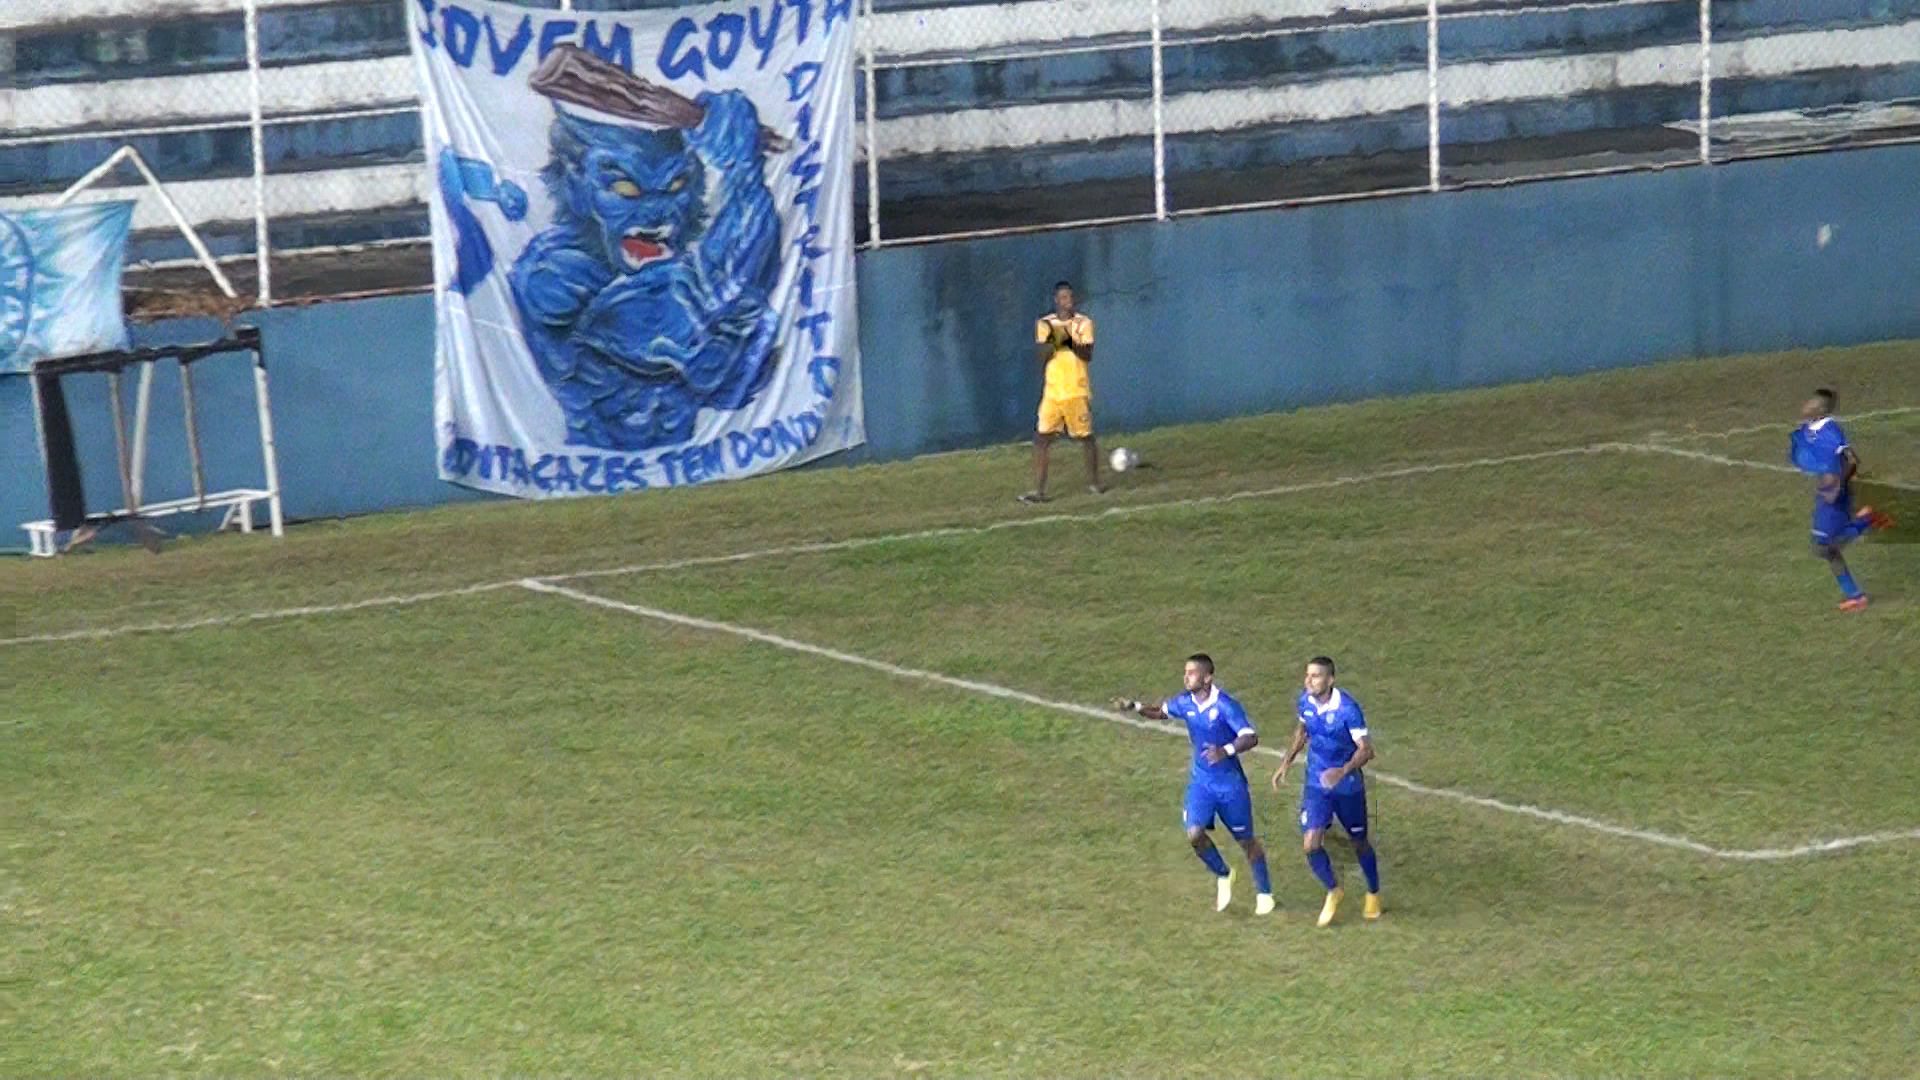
(1214, 720)
(1819, 448)
(1334, 728)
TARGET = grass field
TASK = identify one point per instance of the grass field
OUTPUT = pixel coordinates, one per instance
(608, 831)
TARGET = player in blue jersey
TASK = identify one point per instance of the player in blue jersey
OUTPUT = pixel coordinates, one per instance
(1818, 447)
(1217, 788)
(1333, 731)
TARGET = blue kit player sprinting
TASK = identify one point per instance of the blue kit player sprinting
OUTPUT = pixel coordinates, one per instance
(1819, 448)
(1217, 788)
(1333, 731)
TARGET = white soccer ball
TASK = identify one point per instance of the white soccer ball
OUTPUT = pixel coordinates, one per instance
(1122, 459)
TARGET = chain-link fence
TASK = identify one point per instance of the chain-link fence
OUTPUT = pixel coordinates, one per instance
(273, 129)
(1257, 102)
(1562, 89)
(287, 131)
(1027, 116)
(343, 173)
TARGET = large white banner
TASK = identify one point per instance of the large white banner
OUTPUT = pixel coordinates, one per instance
(643, 241)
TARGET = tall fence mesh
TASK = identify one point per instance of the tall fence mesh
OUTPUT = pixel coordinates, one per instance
(292, 129)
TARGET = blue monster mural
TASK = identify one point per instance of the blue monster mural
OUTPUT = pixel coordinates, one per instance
(462, 179)
(641, 305)
(647, 299)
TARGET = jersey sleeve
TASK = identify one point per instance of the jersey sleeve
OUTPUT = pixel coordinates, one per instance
(1831, 443)
(1356, 720)
(1086, 330)
(1241, 724)
(1175, 707)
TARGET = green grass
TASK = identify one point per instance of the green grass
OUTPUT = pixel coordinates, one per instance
(1513, 629)
(513, 833)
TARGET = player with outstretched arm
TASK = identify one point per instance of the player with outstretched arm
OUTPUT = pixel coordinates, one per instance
(1217, 788)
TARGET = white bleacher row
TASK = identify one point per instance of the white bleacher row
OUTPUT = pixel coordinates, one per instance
(956, 29)
(1460, 86)
(30, 114)
(36, 113)
(292, 92)
(288, 195)
(895, 37)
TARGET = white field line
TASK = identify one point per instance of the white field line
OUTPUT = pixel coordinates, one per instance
(1744, 463)
(1755, 429)
(812, 548)
(254, 616)
(1006, 693)
(1113, 512)
(927, 534)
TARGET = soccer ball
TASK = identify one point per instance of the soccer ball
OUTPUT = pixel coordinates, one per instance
(1123, 459)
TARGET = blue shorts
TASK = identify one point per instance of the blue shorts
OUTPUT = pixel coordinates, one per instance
(1233, 806)
(1830, 519)
(1319, 808)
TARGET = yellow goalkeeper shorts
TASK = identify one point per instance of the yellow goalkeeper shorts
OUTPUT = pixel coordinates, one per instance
(1073, 416)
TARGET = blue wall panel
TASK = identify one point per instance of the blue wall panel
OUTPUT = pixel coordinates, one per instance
(1217, 316)
(1199, 319)
(1778, 289)
(352, 387)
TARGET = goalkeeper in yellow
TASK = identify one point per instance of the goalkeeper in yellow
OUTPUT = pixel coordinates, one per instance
(1064, 343)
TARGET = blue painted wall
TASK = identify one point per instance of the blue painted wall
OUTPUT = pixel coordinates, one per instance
(352, 391)
(1199, 319)
(1212, 317)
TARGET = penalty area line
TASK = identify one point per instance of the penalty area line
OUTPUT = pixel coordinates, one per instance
(1111, 513)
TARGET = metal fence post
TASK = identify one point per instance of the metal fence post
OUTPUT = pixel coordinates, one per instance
(873, 141)
(263, 253)
(1159, 120)
(1706, 82)
(1433, 94)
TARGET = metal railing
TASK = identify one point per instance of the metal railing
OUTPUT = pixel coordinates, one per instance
(1473, 82)
(1038, 114)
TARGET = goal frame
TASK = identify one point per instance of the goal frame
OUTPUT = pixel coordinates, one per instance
(130, 446)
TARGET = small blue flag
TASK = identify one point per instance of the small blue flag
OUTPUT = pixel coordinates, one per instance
(60, 282)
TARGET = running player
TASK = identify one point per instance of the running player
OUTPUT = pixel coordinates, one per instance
(1819, 447)
(1333, 731)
